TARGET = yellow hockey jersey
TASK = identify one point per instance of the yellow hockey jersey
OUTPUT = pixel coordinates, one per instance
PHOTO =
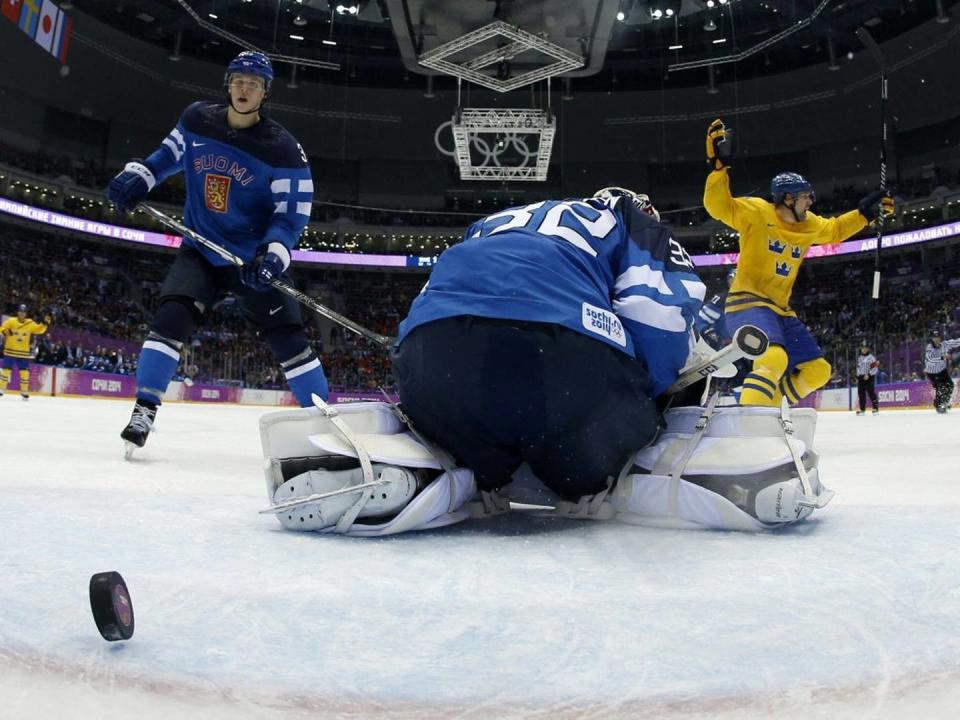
(17, 335)
(770, 250)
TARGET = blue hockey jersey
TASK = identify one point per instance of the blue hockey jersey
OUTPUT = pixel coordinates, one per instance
(244, 187)
(605, 270)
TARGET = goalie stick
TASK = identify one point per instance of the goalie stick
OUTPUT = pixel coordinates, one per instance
(748, 342)
(283, 287)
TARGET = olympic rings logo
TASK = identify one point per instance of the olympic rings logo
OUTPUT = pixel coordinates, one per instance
(481, 148)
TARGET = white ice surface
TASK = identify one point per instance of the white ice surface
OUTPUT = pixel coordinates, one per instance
(854, 614)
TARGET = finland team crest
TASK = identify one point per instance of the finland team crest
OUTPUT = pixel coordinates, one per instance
(603, 322)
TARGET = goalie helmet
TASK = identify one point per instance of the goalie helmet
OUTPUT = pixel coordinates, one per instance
(640, 200)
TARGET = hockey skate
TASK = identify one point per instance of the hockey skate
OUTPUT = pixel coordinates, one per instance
(24, 396)
(141, 423)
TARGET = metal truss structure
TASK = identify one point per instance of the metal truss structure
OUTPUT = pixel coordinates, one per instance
(513, 41)
(510, 129)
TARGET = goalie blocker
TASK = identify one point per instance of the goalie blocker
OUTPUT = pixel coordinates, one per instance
(357, 470)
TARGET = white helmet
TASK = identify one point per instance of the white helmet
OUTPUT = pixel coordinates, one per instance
(641, 201)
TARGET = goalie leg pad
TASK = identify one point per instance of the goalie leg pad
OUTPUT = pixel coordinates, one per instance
(306, 453)
(398, 488)
(741, 472)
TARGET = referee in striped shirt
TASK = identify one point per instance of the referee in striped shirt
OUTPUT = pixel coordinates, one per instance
(867, 366)
(935, 366)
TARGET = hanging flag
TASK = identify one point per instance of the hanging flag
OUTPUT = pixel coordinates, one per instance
(29, 12)
(11, 10)
(61, 41)
(50, 18)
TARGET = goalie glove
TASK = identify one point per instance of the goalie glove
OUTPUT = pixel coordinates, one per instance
(719, 145)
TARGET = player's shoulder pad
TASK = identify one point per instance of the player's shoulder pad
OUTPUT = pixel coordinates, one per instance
(200, 114)
(655, 238)
(280, 146)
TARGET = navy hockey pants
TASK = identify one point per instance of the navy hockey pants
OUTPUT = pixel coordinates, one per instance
(496, 393)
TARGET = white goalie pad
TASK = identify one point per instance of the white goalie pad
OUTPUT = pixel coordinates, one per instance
(306, 454)
(735, 470)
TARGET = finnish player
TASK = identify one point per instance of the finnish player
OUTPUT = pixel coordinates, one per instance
(543, 343)
(249, 189)
(775, 237)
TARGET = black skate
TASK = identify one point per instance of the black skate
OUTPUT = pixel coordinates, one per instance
(140, 425)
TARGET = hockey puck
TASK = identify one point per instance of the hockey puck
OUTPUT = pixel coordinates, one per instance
(111, 605)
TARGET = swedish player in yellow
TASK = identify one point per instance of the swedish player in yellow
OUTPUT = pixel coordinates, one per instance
(774, 239)
(17, 333)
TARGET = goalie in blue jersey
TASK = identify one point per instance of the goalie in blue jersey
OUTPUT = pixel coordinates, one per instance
(545, 337)
(249, 190)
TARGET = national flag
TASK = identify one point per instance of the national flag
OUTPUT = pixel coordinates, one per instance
(50, 18)
(11, 10)
(61, 41)
(29, 13)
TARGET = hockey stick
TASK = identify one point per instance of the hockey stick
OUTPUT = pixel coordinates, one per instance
(874, 49)
(748, 342)
(283, 287)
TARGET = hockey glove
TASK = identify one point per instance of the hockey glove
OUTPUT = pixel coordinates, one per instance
(876, 203)
(268, 265)
(47, 319)
(131, 185)
(719, 145)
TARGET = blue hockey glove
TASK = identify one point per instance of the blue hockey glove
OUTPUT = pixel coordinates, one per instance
(268, 265)
(131, 186)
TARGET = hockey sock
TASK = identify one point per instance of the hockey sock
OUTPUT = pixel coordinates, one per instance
(24, 381)
(305, 376)
(809, 376)
(158, 362)
(4, 378)
(299, 363)
(760, 386)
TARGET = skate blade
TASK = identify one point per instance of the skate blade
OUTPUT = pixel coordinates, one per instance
(128, 449)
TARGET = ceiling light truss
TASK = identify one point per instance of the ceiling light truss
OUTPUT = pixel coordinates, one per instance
(237, 40)
(519, 41)
(470, 124)
(736, 57)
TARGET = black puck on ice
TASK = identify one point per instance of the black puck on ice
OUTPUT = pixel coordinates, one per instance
(111, 605)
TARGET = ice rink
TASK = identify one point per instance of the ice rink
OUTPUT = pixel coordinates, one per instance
(855, 614)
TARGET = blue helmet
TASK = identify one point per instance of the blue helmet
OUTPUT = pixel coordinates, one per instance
(251, 62)
(22, 307)
(788, 182)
